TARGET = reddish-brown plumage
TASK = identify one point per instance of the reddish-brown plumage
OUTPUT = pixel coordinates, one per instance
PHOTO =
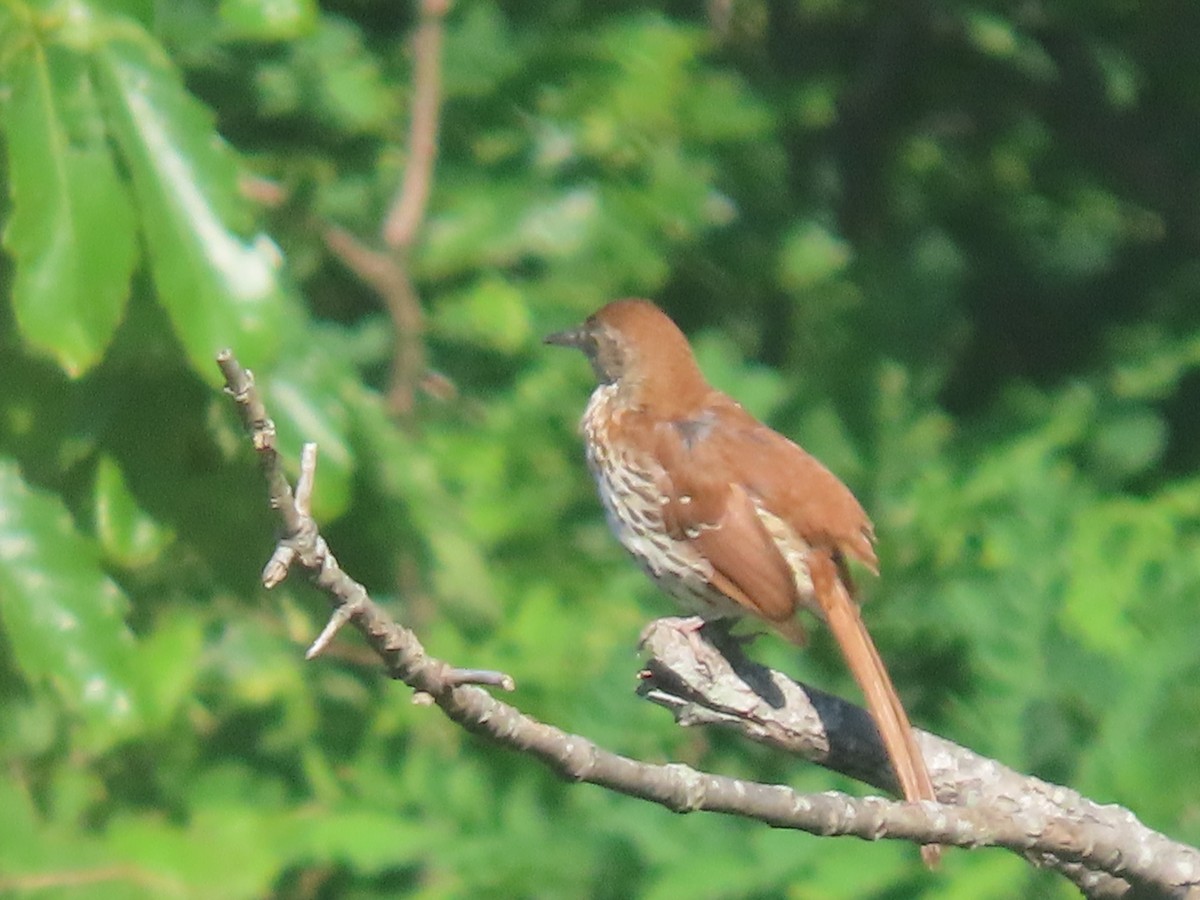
(726, 515)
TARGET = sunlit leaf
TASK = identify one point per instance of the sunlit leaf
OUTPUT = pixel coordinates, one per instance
(127, 534)
(1116, 551)
(63, 615)
(480, 51)
(72, 229)
(220, 289)
(268, 20)
(491, 312)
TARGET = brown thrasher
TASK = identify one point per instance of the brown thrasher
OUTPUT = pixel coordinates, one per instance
(726, 515)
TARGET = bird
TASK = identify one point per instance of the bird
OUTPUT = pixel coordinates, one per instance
(726, 515)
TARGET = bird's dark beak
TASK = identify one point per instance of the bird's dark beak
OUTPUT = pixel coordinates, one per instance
(579, 337)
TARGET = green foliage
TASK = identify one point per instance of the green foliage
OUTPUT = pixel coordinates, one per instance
(948, 247)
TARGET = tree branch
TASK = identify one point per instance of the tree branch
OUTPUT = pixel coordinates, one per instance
(408, 207)
(1103, 849)
(1106, 850)
(387, 272)
(387, 275)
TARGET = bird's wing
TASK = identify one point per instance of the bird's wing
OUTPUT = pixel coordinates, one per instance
(718, 517)
(796, 487)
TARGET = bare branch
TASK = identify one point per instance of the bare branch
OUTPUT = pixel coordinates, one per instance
(387, 275)
(1104, 849)
(408, 207)
(387, 272)
(148, 881)
(239, 384)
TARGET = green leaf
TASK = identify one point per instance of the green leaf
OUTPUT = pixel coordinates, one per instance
(72, 229)
(720, 108)
(331, 77)
(219, 290)
(810, 255)
(255, 842)
(480, 52)
(999, 38)
(268, 20)
(63, 615)
(141, 10)
(18, 835)
(499, 223)
(491, 312)
(170, 658)
(411, 474)
(371, 840)
(1129, 442)
(654, 58)
(1116, 553)
(127, 534)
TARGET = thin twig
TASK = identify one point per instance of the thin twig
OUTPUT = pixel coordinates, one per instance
(239, 384)
(301, 543)
(387, 275)
(408, 206)
(407, 210)
(388, 272)
(30, 883)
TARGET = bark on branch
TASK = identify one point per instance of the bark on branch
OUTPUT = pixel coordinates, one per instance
(1103, 849)
(388, 272)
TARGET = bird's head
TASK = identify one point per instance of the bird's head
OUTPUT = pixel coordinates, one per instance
(634, 345)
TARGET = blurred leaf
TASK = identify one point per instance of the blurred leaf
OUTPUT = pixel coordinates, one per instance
(810, 255)
(18, 831)
(64, 617)
(640, 95)
(719, 107)
(815, 104)
(758, 388)
(1152, 363)
(268, 20)
(1122, 79)
(169, 660)
(1128, 443)
(71, 231)
(330, 76)
(1115, 551)
(411, 475)
(1073, 239)
(991, 33)
(219, 291)
(480, 51)
(1000, 38)
(500, 225)
(491, 312)
(127, 534)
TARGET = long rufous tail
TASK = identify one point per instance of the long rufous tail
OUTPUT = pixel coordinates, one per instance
(840, 611)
